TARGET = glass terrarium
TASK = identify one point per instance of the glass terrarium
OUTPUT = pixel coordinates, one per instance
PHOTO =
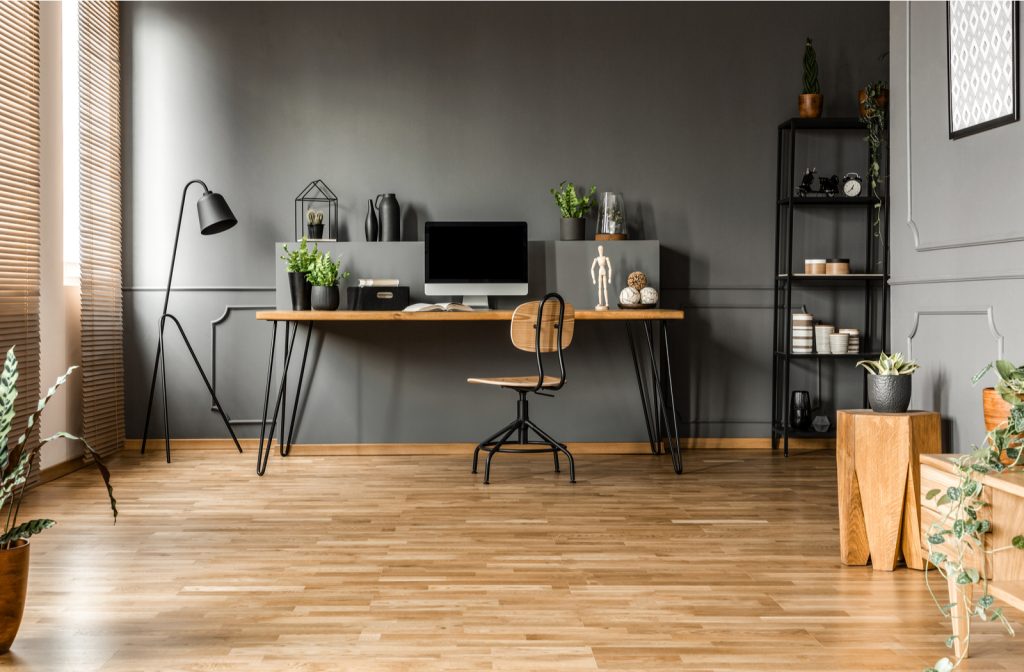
(611, 217)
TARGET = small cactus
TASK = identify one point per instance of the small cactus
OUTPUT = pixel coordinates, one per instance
(311, 216)
(810, 69)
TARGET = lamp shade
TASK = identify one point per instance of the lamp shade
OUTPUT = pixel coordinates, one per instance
(214, 214)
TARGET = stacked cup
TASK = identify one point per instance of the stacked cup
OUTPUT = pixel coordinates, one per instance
(839, 343)
(821, 338)
(854, 343)
(803, 333)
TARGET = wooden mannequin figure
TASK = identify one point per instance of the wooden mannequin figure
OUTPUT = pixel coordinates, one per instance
(604, 273)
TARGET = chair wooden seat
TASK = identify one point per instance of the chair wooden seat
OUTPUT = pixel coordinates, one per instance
(517, 381)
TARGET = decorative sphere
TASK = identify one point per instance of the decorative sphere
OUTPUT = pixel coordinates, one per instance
(629, 296)
(648, 295)
(637, 280)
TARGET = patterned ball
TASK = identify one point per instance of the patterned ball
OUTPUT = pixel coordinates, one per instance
(637, 280)
(629, 296)
(648, 296)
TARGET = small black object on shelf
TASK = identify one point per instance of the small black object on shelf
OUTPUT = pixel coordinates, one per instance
(317, 196)
(800, 410)
(378, 298)
(795, 196)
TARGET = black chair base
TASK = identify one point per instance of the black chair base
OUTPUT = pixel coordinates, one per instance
(500, 441)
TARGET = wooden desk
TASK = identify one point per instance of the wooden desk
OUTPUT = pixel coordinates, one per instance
(1003, 495)
(657, 397)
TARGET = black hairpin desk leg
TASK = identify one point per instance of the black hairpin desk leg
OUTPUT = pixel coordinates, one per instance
(659, 404)
(263, 451)
(641, 383)
(286, 447)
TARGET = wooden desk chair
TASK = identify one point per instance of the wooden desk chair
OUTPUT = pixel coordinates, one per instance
(544, 326)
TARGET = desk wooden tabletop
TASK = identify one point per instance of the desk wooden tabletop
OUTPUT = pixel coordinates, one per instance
(475, 316)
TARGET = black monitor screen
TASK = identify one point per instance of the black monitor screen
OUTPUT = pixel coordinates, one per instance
(476, 252)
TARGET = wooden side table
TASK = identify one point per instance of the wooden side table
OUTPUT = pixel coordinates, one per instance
(877, 457)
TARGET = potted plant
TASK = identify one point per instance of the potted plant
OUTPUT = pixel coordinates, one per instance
(298, 263)
(889, 382)
(315, 223)
(573, 208)
(998, 403)
(956, 541)
(810, 97)
(873, 101)
(323, 275)
(15, 469)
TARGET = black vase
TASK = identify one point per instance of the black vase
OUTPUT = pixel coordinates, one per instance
(326, 298)
(371, 227)
(300, 290)
(390, 217)
(800, 410)
(315, 231)
(889, 394)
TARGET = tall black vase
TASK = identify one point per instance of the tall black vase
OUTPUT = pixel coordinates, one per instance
(390, 217)
(371, 227)
(300, 290)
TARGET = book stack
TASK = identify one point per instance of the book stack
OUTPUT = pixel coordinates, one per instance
(379, 282)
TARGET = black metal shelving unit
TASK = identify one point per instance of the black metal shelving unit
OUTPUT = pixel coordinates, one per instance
(874, 285)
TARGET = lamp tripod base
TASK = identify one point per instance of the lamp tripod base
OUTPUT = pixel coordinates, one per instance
(160, 367)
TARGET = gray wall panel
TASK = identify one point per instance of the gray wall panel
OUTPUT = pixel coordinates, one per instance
(956, 230)
(473, 110)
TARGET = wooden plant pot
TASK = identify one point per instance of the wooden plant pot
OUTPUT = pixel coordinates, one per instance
(810, 105)
(881, 101)
(997, 412)
(13, 588)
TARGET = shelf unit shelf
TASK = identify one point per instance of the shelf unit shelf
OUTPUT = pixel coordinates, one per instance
(875, 286)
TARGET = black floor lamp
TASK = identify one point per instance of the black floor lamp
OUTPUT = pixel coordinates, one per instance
(214, 216)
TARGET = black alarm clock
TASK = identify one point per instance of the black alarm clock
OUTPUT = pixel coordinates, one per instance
(852, 184)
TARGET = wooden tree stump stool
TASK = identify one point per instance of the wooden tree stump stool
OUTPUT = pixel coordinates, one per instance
(877, 457)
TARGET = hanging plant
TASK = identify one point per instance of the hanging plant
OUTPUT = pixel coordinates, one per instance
(873, 104)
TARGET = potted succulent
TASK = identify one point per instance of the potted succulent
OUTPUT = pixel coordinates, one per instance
(573, 209)
(889, 382)
(323, 275)
(298, 263)
(315, 223)
(810, 97)
(16, 458)
(874, 98)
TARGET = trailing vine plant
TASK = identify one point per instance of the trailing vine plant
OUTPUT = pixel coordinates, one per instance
(962, 528)
(875, 120)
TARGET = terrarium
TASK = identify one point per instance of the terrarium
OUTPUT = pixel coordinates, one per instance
(611, 217)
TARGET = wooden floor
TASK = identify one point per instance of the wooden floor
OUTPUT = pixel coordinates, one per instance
(397, 563)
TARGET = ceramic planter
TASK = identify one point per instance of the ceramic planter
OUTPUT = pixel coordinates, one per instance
(315, 231)
(326, 298)
(13, 588)
(889, 394)
(810, 105)
(573, 228)
(881, 101)
(300, 290)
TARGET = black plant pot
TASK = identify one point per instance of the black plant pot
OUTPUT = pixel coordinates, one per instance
(573, 228)
(889, 394)
(300, 290)
(315, 231)
(326, 298)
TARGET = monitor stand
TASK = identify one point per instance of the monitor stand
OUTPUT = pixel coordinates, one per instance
(477, 301)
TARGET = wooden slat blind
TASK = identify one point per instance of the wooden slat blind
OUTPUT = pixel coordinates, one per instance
(100, 226)
(19, 200)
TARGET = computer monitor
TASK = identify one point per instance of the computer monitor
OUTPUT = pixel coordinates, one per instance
(476, 260)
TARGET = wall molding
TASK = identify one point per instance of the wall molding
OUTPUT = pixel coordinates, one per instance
(213, 356)
(988, 313)
(199, 288)
(911, 222)
(946, 280)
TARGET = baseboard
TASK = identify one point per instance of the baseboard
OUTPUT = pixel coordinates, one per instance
(582, 448)
(61, 469)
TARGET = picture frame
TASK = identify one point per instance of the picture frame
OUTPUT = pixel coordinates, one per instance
(982, 65)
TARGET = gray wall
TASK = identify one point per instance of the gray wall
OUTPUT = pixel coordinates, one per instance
(957, 233)
(474, 111)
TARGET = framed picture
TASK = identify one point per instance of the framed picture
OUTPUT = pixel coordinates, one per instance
(982, 51)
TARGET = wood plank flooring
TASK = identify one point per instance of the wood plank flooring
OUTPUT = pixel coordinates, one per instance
(409, 563)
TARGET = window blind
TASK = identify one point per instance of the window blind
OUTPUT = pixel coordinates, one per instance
(100, 227)
(19, 201)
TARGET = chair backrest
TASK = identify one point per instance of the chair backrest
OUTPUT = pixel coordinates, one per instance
(537, 331)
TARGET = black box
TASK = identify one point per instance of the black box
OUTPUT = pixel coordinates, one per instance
(378, 298)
